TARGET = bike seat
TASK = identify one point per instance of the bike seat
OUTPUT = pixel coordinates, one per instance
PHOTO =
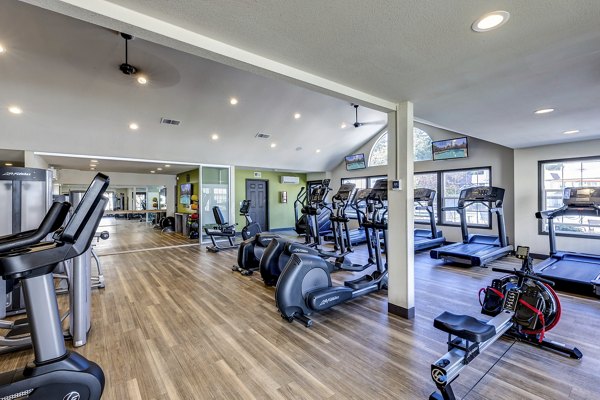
(464, 327)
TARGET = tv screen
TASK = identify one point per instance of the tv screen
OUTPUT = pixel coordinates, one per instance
(355, 161)
(449, 149)
(185, 193)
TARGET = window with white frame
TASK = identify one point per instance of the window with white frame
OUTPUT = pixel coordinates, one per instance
(421, 146)
(427, 180)
(453, 182)
(559, 174)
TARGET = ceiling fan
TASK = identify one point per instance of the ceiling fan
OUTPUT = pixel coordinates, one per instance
(157, 69)
(359, 124)
(127, 68)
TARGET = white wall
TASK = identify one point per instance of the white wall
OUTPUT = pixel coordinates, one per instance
(122, 180)
(526, 195)
(481, 154)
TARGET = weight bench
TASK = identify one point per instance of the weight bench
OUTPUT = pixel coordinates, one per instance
(221, 229)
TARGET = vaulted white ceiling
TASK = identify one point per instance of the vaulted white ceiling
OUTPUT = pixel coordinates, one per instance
(483, 84)
(64, 74)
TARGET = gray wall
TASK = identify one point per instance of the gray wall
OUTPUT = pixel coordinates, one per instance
(481, 154)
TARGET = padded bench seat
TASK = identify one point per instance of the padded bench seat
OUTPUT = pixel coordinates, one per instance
(464, 327)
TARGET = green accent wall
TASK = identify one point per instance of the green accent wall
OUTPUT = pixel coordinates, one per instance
(281, 215)
(194, 180)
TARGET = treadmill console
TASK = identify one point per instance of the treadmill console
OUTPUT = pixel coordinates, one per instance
(380, 190)
(423, 194)
(581, 196)
(482, 194)
(344, 192)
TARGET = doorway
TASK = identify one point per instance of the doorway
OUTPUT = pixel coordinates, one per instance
(257, 191)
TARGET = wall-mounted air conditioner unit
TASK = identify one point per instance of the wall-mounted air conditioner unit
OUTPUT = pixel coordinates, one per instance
(294, 180)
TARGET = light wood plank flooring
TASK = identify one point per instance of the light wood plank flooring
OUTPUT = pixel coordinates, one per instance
(177, 323)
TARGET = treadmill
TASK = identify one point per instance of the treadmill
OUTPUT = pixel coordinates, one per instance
(477, 250)
(427, 238)
(572, 272)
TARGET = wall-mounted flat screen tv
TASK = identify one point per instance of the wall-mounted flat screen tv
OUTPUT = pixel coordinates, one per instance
(185, 194)
(355, 161)
(450, 148)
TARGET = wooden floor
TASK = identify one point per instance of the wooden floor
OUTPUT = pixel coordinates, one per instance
(177, 323)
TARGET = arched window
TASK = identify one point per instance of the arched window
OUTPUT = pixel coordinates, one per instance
(421, 143)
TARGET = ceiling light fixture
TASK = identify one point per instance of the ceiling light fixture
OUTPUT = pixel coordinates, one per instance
(159, 169)
(214, 136)
(15, 110)
(142, 80)
(233, 101)
(152, 172)
(94, 161)
(318, 150)
(570, 132)
(273, 145)
(8, 164)
(92, 165)
(2, 49)
(133, 126)
(92, 169)
(167, 165)
(297, 116)
(544, 111)
(490, 21)
(343, 125)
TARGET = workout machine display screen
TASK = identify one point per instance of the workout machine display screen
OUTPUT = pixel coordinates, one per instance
(355, 161)
(185, 194)
(449, 149)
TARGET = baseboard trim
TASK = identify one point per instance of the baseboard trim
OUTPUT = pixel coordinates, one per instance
(401, 311)
(281, 229)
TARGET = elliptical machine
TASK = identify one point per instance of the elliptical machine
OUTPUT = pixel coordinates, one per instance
(55, 373)
(523, 306)
(317, 214)
(305, 283)
(339, 220)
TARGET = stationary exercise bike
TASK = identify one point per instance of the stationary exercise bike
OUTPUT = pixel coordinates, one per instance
(251, 228)
(305, 283)
(55, 373)
(524, 307)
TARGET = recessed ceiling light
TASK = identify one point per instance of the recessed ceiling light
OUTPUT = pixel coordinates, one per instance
(94, 161)
(214, 136)
(142, 80)
(152, 172)
(343, 125)
(318, 150)
(8, 164)
(297, 116)
(273, 145)
(233, 101)
(490, 21)
(15, 110)
(159, 169)
(2, 49)
(570, 132)
(92, 169)
(133, 126)
(544, 111)
(92, 165)
(167, 165)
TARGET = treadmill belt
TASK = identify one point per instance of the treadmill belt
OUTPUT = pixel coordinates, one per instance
(573, 271)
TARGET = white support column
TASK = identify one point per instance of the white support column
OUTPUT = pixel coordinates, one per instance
(401, 287)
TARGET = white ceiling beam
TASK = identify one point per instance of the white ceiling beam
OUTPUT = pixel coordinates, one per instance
(113, 16)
